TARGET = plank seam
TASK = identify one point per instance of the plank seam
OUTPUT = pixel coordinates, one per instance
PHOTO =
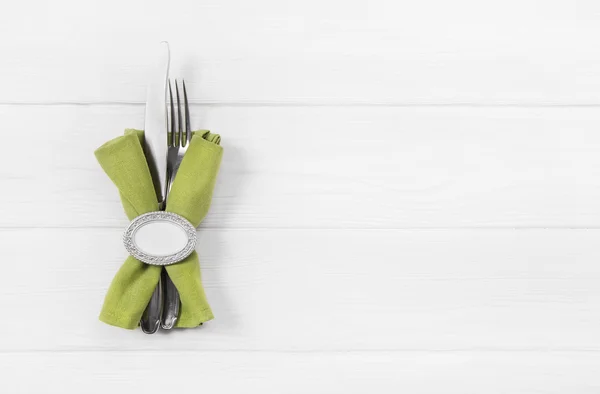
(309, 351)
(312, 103)
(458, 228)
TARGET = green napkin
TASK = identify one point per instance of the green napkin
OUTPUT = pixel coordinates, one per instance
(124, 162)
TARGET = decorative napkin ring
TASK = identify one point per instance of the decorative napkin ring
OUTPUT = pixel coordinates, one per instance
(160, 238)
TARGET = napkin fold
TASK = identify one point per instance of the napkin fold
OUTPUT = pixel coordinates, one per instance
(124, 162)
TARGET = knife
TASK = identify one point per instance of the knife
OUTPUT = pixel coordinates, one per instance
(156, 149)
(155, 124)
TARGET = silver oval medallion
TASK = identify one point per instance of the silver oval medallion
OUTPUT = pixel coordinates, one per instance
(160, 238)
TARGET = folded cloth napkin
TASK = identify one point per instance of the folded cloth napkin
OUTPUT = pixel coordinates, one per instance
(124, 162)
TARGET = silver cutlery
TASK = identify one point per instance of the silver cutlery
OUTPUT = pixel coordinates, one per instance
(164, 161)
(179, 138)
(184, 131)
(155, 133)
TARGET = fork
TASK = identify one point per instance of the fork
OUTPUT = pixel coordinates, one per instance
(179, 138)
(183, 129)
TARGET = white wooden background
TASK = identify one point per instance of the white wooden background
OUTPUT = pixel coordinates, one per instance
(409, 199)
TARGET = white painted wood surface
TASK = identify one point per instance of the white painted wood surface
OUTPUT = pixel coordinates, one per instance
(408, 199)
(298, 373)
(298, 167)
(314, 51)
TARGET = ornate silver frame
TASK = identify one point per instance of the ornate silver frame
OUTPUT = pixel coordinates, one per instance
(159, 216)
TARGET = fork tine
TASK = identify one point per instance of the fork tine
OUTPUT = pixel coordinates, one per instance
(171, 128)
(179, 125)
(188, 128)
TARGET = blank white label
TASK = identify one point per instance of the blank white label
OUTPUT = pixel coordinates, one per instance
(160, 238)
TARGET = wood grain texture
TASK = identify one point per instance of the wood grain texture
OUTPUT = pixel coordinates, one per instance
(387, 372)
(329, 167)
(327, 290)
(408, 200)
(310, 52)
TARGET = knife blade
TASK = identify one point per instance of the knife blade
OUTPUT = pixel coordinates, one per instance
(156, 150)
(155, 123)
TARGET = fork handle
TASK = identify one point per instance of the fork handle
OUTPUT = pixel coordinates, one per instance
(171, 302)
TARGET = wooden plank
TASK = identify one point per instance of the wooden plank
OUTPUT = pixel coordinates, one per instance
(333, 290)
(287, 167)
(421, 373)
(314, 52)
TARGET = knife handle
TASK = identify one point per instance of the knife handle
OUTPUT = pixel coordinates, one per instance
(151, 318)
